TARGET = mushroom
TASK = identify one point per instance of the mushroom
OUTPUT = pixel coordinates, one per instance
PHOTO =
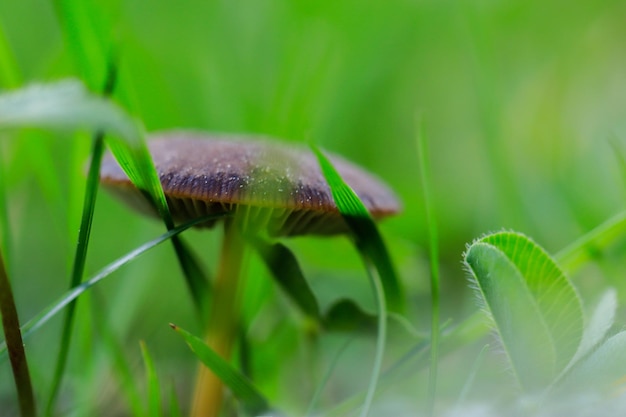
(269, 187)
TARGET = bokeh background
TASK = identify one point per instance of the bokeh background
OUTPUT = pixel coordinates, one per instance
(523, 103)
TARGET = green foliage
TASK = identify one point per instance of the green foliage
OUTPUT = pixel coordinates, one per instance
(251, 399)
(518, 129)
(536, 310)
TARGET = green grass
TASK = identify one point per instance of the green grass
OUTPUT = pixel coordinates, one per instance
(525, 108)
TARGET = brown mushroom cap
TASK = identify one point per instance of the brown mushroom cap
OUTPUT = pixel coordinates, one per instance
(277, 183)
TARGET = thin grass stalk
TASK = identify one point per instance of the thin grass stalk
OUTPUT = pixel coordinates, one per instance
(471, 377)
(15, 345)
(381, 306)
(78, 268)
(422, 148)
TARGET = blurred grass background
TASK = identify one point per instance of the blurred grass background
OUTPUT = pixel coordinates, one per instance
(524, 103)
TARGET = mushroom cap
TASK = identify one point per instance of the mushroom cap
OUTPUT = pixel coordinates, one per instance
(278, 184)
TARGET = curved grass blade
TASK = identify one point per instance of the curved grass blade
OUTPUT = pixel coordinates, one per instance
(15, 346)
(383, 279)
(368, 240)
(285, 269)
(250, 397)
(54, 308)
(536, 311)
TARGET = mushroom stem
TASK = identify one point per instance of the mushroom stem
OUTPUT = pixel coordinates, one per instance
(222, 325)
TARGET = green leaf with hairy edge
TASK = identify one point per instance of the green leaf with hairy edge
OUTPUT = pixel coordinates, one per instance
(152, 380)
(52, 310)
(284, 267)
(250, 397)
(536, 310)
(368, 239)
(523, 332)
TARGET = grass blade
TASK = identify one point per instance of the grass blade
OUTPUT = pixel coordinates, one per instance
(460, 402)
(87, 37)
(383, 279)
(154, 390)
(45, 315)
(379, 294)
(367, 237)
(80, 256)
(15, 346)
(324, 381)
(422, 145)
(249, 396)
(588, 246)
(174, 405)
